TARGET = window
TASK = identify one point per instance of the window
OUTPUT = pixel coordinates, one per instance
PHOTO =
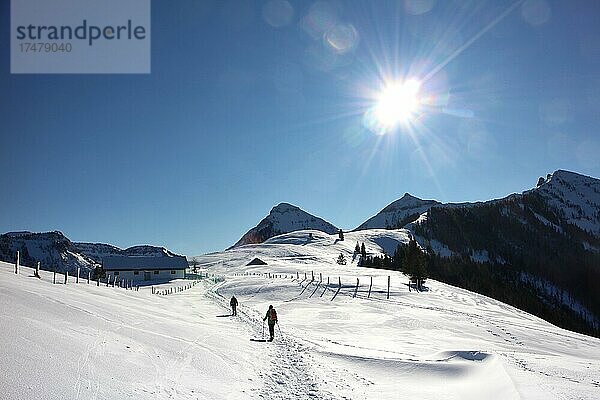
(136, 272)
(155, 272)
(173, 272)
(116, 273)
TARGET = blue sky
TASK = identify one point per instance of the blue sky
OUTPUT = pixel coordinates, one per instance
(249, 105)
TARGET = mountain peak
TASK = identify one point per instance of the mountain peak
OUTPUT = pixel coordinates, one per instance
(399, 213)
(575, 197)
(284, 218)
(284, 207)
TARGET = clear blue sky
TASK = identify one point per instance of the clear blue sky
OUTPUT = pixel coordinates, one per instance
(239, 115)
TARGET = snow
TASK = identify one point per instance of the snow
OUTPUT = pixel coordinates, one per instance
(480, 256)
(576, 196)
(284, 218)
(396, 212)
(565, 297)
(444, 343)
(548, 223)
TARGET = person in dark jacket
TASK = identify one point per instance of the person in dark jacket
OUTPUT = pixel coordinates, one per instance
(233, 303)
(271, 316)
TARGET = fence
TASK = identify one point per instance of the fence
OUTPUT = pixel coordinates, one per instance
(336, 286)
(109, 281)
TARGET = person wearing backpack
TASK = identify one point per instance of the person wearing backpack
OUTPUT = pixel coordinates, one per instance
(271, 316)
(233, 303)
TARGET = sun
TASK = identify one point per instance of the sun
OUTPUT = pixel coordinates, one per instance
(398, 103)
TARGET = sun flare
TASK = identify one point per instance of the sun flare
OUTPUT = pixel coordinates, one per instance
(398, 103)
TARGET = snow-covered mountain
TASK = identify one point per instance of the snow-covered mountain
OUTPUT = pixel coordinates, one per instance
(284, 218)
(575, 197)
(55, 250)
(546, 239)
(399, 213)
(97, 251)
(52, 249)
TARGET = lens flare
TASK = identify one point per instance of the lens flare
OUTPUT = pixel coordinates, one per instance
(398, 103)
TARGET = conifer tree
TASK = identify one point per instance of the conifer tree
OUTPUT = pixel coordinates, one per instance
(414, 264)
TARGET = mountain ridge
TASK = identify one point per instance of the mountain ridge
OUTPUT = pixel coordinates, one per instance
(55, 251)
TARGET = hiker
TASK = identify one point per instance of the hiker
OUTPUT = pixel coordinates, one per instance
(272, 317)
(233, 303)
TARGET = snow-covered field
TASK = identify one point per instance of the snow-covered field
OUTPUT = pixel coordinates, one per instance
(87, 342)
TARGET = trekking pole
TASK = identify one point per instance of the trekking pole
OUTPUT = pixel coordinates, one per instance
(280, 333)
(263, 331)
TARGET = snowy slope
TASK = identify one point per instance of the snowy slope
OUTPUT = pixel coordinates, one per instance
(284, 218)
(446, 343)
(399, 213)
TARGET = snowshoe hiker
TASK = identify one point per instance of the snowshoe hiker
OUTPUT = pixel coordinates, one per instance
(271, 316)
(233, 303)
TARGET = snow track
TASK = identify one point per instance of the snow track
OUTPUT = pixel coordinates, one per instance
(290, 374)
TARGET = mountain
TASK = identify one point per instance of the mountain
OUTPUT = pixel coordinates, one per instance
(284, 218)
(399, 213)
(52, 249)
(55, 250)
(538, 250)
(97, 251)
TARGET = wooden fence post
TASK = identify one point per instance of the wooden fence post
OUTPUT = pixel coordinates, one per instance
(312, 275)
(66, 276)
(356, 289)
(107, 280)
(54, 276)
(370, 286)
(339, 288)
(88, 278)
(17, 262)
(37, 270)
(320, 277)
(77, 278)
(324, 290)
(98, 280)
(388, 290)
(297, 275)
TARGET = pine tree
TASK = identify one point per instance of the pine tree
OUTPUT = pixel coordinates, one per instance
(341, 233)
(363, 251)
(341, 259)
(357, 248)
(414, 264)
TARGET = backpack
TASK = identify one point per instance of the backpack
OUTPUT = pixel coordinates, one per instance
(273, 315)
